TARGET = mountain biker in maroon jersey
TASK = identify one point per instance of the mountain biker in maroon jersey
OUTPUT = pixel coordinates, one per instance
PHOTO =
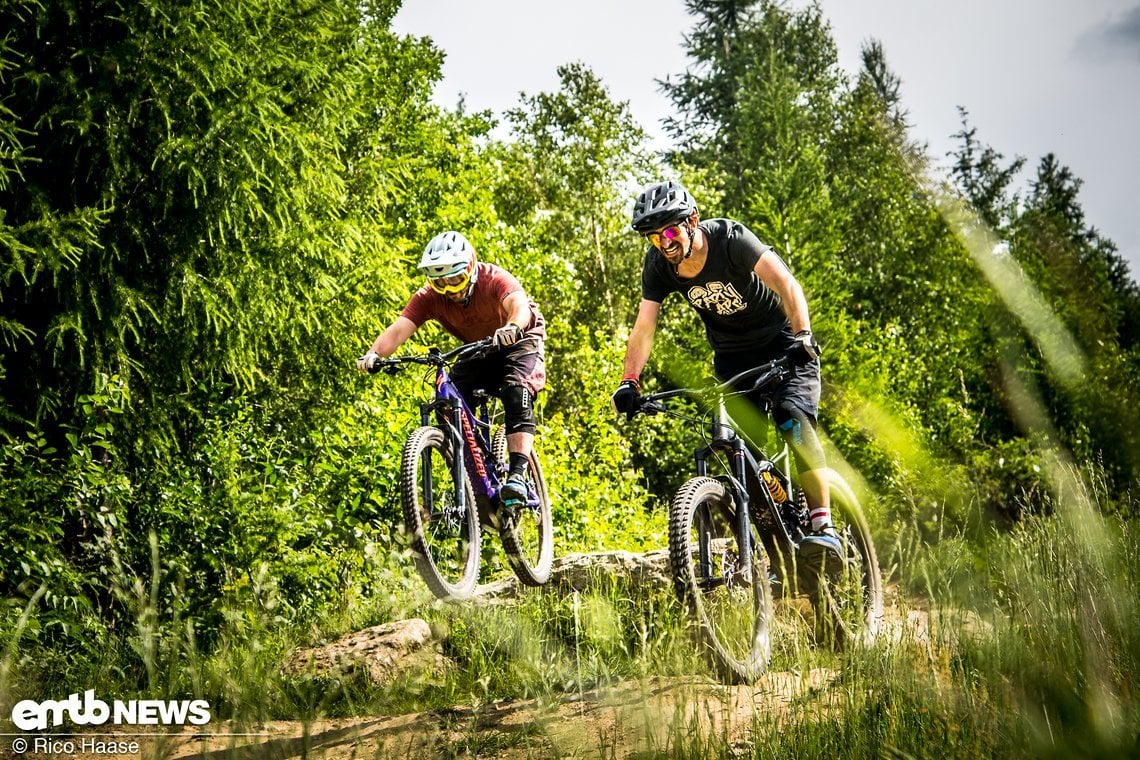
(472, 301)
(753, 310)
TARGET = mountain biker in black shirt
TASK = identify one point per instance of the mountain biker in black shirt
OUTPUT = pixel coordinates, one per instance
(753, 311)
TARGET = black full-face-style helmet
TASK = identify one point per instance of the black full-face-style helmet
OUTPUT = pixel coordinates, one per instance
(661, 203)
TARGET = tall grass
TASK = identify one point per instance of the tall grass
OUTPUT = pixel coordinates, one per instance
(999, 642)
(1024, 645)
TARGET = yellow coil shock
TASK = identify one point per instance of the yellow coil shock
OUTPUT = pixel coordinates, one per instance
(774, 487)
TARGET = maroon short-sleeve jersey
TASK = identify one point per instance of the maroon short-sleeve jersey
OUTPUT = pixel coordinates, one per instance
(481, 315)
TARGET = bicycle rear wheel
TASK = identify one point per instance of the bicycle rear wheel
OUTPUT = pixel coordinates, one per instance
(444, 535)
(848, 599)
(527, 532)
(731, 601)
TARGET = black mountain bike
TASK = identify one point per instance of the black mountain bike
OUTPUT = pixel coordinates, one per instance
(451, 471)
(735, 531)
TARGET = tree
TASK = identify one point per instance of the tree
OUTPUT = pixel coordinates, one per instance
(1086, 281)
(758, 90)
(155, 150)
(978, 174)
(706, 94)
(884, 83)
(188, 192)
(572, 166)
(915, 337)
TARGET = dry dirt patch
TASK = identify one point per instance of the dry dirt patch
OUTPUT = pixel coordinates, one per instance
(627, 720)
(624, 720)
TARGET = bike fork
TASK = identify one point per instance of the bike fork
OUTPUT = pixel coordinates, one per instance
(458, 465)
(723, 435)
(457, 474)
(743, 523)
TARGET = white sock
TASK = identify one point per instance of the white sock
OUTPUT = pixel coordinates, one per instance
(820, 518)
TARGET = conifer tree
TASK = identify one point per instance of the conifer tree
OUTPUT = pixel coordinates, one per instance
(190, 199)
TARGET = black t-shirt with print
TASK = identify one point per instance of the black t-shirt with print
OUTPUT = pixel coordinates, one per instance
(739, 311)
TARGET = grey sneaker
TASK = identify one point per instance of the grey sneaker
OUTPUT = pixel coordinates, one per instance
(822, 550)
(514, 491)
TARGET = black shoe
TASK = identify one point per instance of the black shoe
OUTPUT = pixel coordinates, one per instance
(822, 550)
(513, 492)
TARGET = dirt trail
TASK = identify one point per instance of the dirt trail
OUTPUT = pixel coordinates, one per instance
(624, 720)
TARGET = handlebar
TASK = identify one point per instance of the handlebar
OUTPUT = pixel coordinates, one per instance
(433, 358)
(766, 375)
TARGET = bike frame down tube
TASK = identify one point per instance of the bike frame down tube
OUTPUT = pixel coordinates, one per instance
(465, 437)
(743, 462)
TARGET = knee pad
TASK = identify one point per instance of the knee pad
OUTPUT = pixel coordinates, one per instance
(518, 408)
(798, 428)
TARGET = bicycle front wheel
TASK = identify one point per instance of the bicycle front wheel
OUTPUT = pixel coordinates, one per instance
(729, 597)
(444, 534)
(527, 531)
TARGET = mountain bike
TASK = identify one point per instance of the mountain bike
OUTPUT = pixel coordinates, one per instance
(451, 471)
(735, 530)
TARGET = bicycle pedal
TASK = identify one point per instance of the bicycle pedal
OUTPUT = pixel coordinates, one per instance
(514, 492)
(816, 567)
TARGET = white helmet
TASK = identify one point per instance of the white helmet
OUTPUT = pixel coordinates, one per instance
(449, 262)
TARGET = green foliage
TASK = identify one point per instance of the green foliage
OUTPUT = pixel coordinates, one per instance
(548, 644)
(753, 101)
(979, 175)
(599, 500)
(568, 178)
(197, 192)
(208, 211)
(824, 169)
(63, 524)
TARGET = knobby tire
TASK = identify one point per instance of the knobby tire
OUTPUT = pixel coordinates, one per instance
(731, 604)
(528, 535)
(849, 602)
(444, 539)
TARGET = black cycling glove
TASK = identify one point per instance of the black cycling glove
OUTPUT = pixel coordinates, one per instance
(627, 398)
(805, 350)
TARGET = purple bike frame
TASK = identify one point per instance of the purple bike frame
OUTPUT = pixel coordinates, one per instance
(449, 404)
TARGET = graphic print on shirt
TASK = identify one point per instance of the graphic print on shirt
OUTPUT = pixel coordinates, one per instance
(718, 297)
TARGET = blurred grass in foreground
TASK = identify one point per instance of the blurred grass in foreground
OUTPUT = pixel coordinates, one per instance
(998, 643)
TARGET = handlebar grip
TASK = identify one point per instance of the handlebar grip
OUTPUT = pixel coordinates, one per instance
(389, 366)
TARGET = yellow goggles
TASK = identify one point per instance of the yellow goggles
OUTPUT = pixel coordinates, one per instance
(452, 283)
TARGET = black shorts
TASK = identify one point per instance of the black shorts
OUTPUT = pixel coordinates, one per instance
(523, 364)
(802, 388)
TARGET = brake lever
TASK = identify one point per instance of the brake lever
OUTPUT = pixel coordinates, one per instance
(652, 407)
